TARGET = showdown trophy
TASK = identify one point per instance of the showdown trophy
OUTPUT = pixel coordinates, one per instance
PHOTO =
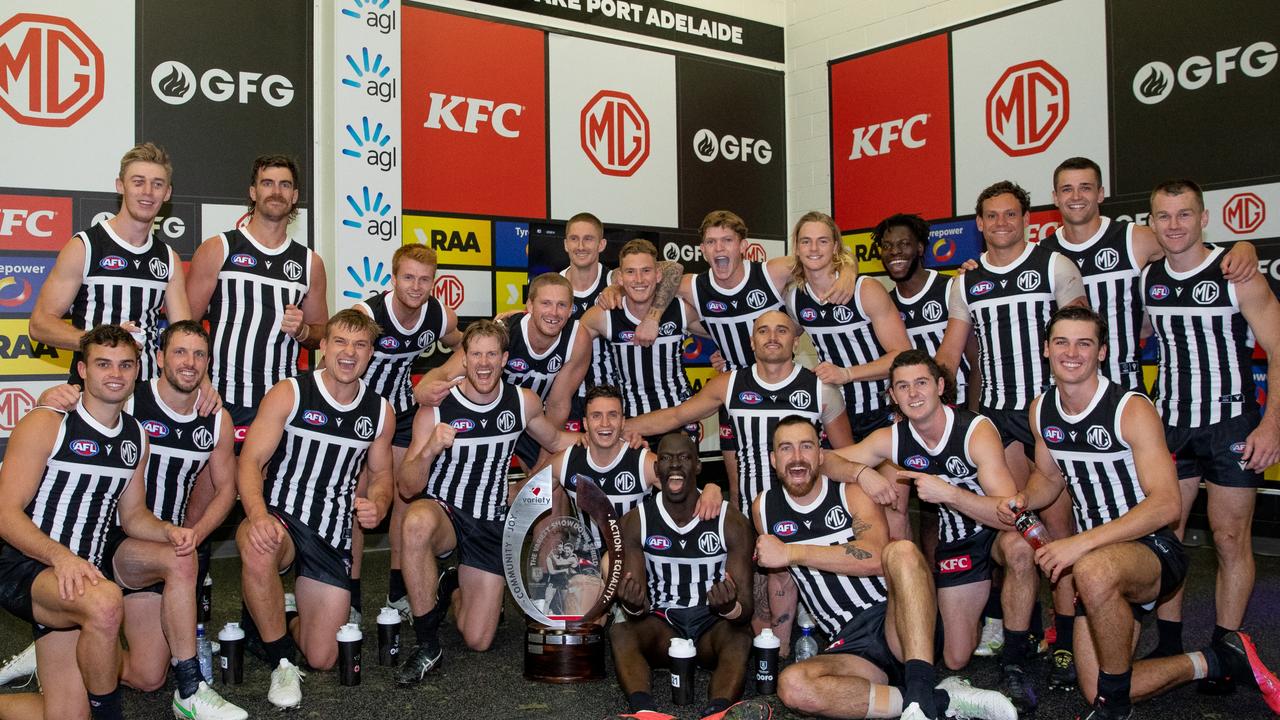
(563, 565)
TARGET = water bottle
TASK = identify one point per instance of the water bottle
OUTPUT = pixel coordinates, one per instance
(204, 651)
(205, 611)
(1029, 524)
(766, 646)
(681, 653)
(806, 646)
(231, 653)
(349, 641)
(388, 637)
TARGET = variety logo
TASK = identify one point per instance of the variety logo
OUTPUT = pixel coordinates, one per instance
(982, 287)
(956, 564)
(835, 518)
(709, 543)
(51, 72)
(463, 424)
(1106, 259)
(155, 428)
(917, 462)
(614, 133)
(15, 403)
(1053, 434)
(113, 262)
(314, 417)
(1205, 292)
(175, 83)
(707, 147)
(370, 73)
(389, 343)
(506, 421)
(84, 448)
(932, 311)
(244, 260)
(1027, 108)
(1154, 81)
(375, 14)
(1244, 213)
(749, 397)
(785, 528)
(30, 222)
(800, 399)
(442, 115)
(1028, 280)
(1158, 292)
(371, 213)
(1098, 437)
(902, 130)
(657, 542)
(371, 144)
(448, 290)
(363, 427)
(373, 279)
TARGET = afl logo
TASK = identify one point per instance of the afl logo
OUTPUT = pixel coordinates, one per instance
(112, 262)
(657, 542)
(956, 467)
(1238, 448)
(203, 438)
(553, 365)
(709, 543)
(517, 365)
(982, 288)
(1106, 259)
(575, 480)
(1205, 292)
(129, 452)
(1053, 434)
(842, 314)
(463, 424)
(808, 314)
(785, 528)
(716, 306)
(836, 518)
(506, 421)
(1098, 437)
(756, 299)
(917, 462)
(750, 398)
(625, 482)
(932, 311)
(1158, 292)
(243, 260)
(426, 339)
(389, 343)
(1028, 280)
(364, 427)
(155, 428)
(314, 417)
(84, 448)
(159, 268)
(800, 399)
(667, 328)
(293, 269)
(626, 336)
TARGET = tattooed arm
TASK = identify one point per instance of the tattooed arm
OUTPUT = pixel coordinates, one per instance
(859, 557)
(671, 273)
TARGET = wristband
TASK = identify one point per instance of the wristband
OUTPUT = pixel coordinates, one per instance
(629, 611)
(855, 477)
(734, 612)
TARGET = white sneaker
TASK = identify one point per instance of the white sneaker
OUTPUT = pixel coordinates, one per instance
(22, 665)
(206, 704)
(286, 686)
(290, 603)
(992, 640)
(971, 702)
(402, 607)
(913, 712)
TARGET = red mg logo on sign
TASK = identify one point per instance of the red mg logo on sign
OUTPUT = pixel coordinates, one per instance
(51, 73)
(448, 290)
(615, 133)
(754, 252)
(14, 404)
(1244, 213)
(1027, 108)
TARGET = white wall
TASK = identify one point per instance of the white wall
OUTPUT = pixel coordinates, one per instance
(822, 30)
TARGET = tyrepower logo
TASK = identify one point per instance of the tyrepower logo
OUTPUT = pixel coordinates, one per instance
(1244, 213)
(51, 72)
(707, 147)
(1154, 81)
(500, 117)
(882, 138)
(1027, 108)
(29, 222)
(175, 83)
(614, 133)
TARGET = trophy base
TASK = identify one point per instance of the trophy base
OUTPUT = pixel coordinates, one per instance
(563, 656)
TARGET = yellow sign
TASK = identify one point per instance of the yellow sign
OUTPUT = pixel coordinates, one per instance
(865, 252)
(508, 290)
(20, 355)
(455, 240)
(700, 376)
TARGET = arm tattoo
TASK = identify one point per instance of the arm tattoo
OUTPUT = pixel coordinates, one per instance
(671, 272)
(858, 525)
(857, 552)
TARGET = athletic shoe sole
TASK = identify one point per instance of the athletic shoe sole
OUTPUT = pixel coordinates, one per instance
(1268, 684)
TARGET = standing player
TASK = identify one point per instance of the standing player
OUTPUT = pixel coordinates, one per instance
(1206, 328)
(297, 477)
(583, 242)
(262, 292)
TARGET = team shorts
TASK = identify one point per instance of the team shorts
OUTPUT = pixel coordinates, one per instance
(728, 438)
(964, 562)
(17, 574)
(1014, 426)
(691, 623)
(863, 636)
(1214, 452)
(404, 427)
(241, 418)
(864, 423)
(312, 556)
(1174, 562)
(479, 541)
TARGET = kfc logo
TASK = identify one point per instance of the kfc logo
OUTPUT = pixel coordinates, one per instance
(955, 564)
(51, 72)
(448, 290)
(614, 133)
(1027, 108)
(30, 222)
(908, 133)
(442, 114)
(1244, 213)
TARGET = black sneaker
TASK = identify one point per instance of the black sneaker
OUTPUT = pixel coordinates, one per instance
(1101, 711)
(1062, 673)
(1018, 686)
(417, 664)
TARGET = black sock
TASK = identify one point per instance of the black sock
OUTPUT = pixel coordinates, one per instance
(106, 707)
(1064, 626)
(1114, 689)
(1017, 647)
(920, 679)
(941, 701)
(395, 585)
(1219, 632)
(247, 624)
(993, 609)
(282, 648)
(714, 706)
(1037, 620)
(1169, 633)
(1214, 669)
(641, 701)
(187, 674)
(354, 586)
(426, 627)
(444, 591)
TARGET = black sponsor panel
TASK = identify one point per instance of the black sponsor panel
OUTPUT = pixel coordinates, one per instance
(177, 223)
(221, 83)
(684, 249)
(546, 246)
(1194, 91)
(732, 152)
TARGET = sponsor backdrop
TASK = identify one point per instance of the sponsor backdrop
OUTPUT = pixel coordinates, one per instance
(1185, 92)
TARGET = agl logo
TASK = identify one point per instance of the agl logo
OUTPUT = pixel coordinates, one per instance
(51, 72)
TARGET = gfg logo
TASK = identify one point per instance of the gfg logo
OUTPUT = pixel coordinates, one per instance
(707, 147)
(51, 72)
(175, 83)
(1154, 81)
(904, 131)
(614, 133)
(678, 252)
(1244, 213)
(1027, 108)
(441, 115)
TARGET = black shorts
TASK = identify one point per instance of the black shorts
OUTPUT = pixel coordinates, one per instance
(17, 573)
(728, 438)
(691, 623)
(312, 556)
(116, 535)
(404, 427)
(1174, 562)
(527, 450)
(1214, 452)
(964, 561)
(479, 541)
(865, 423)
(863, 636)
(241, 418)
(1014, 426)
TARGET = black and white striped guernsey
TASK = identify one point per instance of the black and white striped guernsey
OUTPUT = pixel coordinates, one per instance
(651, 378)
(621, 479)
(949, 460)
(602, 370)
(472, 474)
(1009, 308)
(121, 282)
(681, 563)
(1094, 459)
(755, 408)
(833, 599)
(75, 502)
(729, 313)
(312, 475)
(180, 449)
(255, 283)
(925, 316)
(389, 372)
(536, 371)
(1205, 374)
(1111, 280)
(843, 336)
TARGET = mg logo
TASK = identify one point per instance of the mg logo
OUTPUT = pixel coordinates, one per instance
(363, 427)
(1106, 259)
(835, 518)
(932, 311)
(129, 452)
(625, 482)
(51, 73)
(1029, 280)
(614, 133)
(756, 299)
(1244, 213)
(754, 252)
(1098, 437)
(203, 438)
(448, 290)
(1205, 292)
(159, 268)
(842, 314)
(800, 399)
(957, 468)
(293, 269)
(506, 421)
(709, 543)
(14, 404)
(1027, 108)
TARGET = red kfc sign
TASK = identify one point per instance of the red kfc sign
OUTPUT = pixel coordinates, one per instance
(33, 222)
(615, 133)
(51, 72)
(1027, 108)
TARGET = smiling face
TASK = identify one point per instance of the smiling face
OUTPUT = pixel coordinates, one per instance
(483, 363)
(413, 283)
(1178, 220)
(815, 247)
(773, 337)
(901, 252)
(677, 467)
(584, 242)
(1002, 222)
(185, 361)
(1074, 351)
(1078, 195)
(639, 273)
(143, 187)
(916, 392)
(550, 309)
(796, 457)
(109, 372)
(274, 193)
(347, 352)
(603, 422)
